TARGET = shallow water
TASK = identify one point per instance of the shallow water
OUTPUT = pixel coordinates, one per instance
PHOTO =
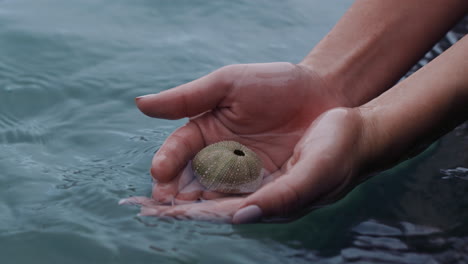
(72, 143)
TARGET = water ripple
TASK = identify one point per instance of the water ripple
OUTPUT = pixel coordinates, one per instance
(15, 130)
(376, 242)
(458, 172)
(374, 228)
(72, 142)
(29, 81)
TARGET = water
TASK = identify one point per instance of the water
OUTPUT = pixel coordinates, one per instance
(72, 143)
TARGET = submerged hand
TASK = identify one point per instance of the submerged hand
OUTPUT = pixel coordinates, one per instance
(266, 107)
(321, 169)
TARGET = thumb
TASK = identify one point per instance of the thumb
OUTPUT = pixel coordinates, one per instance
(278, 198)
(190, 99)
(290, 194)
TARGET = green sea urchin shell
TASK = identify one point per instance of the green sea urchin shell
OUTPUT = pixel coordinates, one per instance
(228, 167)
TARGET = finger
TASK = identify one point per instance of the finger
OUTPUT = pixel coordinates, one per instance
(191, 190)
(138, 200)
(210, 195)
(175, 153)
(170, 193)
(166, 192)
(318, 173)
(285, 196)
(189, 99)
(278, 198)
(190, 193)
(215, 210)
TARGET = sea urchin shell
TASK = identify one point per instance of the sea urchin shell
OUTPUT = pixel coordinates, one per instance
(228, 167)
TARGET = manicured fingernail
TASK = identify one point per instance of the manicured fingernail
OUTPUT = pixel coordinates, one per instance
(248, 214)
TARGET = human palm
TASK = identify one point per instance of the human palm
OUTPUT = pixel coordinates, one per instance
(267, 107)
(324, 166)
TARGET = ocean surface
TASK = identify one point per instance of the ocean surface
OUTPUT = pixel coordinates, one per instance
(72, 142)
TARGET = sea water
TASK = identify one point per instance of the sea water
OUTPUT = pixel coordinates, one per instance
(72, 143)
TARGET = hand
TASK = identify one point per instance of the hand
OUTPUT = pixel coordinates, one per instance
(266, 107)
(323, 167)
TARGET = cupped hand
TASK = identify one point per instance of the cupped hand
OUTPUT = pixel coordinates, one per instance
(324, 165)
(267, 107)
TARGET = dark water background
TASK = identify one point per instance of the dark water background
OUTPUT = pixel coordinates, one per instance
(72, 143)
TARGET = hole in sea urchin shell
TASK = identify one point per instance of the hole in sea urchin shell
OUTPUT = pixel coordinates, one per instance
(239, 152)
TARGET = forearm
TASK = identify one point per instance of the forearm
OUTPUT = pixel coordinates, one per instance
(377, 41)
(419, 109)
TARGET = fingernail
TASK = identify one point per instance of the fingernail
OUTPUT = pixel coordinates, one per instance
(123, 201)
(248, 214)
(142, 96)
(128, 201)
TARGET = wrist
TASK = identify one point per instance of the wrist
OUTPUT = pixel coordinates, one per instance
(370, 48)
(356, 73)
(366, 144)
(403, 121)
(328, 83)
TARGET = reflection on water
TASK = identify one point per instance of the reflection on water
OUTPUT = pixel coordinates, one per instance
(408, 243)
(458, 172)
(72, 143)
